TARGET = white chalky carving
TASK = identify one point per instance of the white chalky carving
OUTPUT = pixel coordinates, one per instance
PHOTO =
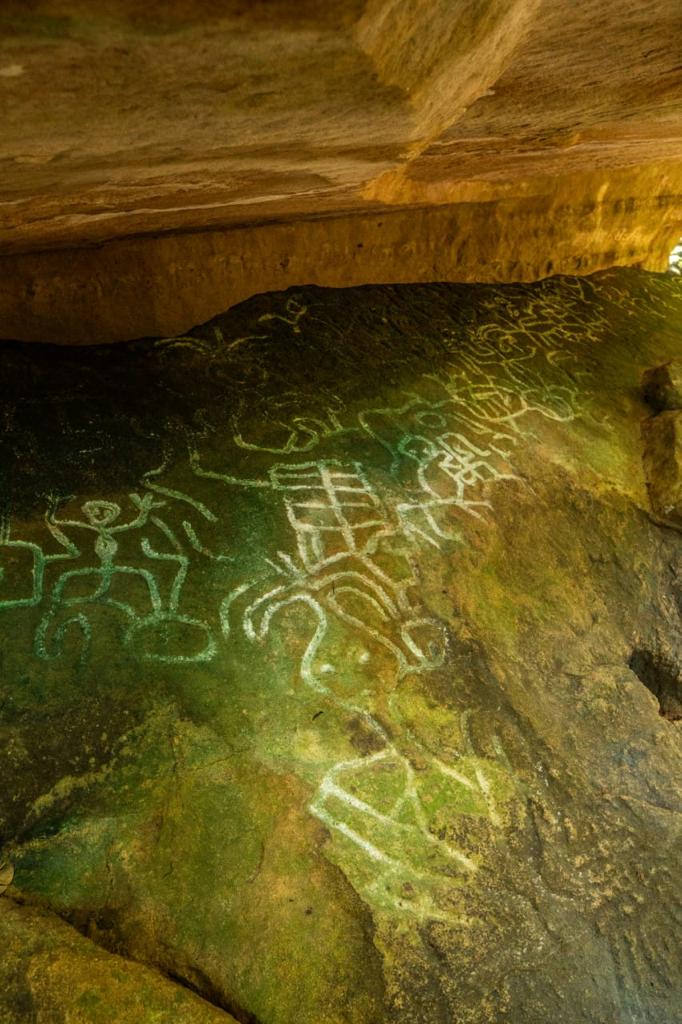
(77, 591)
(338, 523)
(356, 536)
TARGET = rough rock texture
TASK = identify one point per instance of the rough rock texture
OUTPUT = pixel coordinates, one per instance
(341, 660)
(662, 437)
(547, 131)
(662, 386)
(48, 972)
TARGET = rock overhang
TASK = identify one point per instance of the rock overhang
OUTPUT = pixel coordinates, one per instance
(208, 153)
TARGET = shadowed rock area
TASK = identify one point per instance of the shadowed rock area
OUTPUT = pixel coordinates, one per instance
(341, 664)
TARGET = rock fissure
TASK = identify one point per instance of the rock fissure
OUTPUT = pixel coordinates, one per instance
(45, 915)
(90, 928)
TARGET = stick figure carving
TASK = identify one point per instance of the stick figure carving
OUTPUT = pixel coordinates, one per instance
(147, 631)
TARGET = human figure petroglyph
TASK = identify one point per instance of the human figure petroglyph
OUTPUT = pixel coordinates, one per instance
(103, 519)
(79, 590)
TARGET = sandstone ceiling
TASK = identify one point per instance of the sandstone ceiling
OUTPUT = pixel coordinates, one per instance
(162, 161)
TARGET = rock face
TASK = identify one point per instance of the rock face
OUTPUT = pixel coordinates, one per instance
(662, 437)
(479, 140)
(662, 386)
(49, 972)
(663, 464)
(341, 662)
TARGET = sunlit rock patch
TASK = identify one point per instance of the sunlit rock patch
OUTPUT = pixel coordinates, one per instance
(323, 674)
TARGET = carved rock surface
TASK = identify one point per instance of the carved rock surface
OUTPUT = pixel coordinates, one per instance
(162, 163)
(663, 463)
(341, 657)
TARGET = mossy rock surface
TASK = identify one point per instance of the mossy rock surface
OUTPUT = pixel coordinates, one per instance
(339, 648)
(48, 972)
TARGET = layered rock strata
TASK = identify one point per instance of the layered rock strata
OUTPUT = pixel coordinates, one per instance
(489, 140)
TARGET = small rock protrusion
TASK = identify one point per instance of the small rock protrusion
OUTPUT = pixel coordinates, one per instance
(662, 436)
(6, 875)
(662, 678)
(662, 386)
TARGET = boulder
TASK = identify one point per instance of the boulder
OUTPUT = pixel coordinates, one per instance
(341, 663)
(50, 972)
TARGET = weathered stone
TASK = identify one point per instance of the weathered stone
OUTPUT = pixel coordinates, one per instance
(341, 654)
(661, 673)
(48, 972)
(662, 386)
(479, 140)
(6, 875)
(662, 436)
(163, 284)
(190, 116)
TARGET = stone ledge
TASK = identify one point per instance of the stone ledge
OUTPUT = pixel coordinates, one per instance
(161, 285)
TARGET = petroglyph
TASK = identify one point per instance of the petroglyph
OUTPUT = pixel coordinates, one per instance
(40, 561)
(156, 631)
(393, 815)
(412, 535)
(380, 806)
(303, 433)
(339, 524)
(448, 466)
(359, 529)
(293, 312)
(447, 451)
